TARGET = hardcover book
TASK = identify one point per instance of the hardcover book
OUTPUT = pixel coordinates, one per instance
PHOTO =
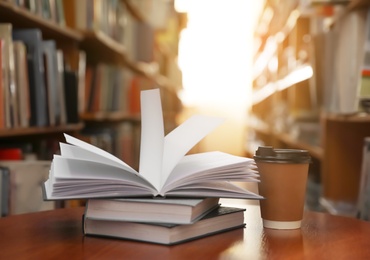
(22, 83)
(50, 67)
(8, 78)
(176, 211)
(85, 171)
(219, 220)
(32, 38)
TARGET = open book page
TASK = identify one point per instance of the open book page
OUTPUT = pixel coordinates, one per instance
(221, 189)
(183, 138)
(75, 152)
(159, 154)
(99, 152)
(92, 176)
(211, 166)
(152, 137)
(85, 171)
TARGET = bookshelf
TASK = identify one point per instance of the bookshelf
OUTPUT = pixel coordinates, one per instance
(110, 109)
(290, 107)
(67, 40)
(79, 50)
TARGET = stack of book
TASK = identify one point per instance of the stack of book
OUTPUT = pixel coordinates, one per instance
(165, 174)
(161, 221)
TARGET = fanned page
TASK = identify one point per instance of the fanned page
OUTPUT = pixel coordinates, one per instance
(88, 149)
(206, 172)
(93, 179)
(85, 171)
(158, 154)
(183, 138)
(152, 137)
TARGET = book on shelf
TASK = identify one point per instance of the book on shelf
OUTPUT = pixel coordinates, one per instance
(22, 83)
(4, 191)
(81, 81)
(217, 221)
(71, 95)
(48, 48)
(11, 153)
(60, 87)
(363, 203)
(105, 89)
(8, 78)
(2, 88)
(364, 82)
(32, 38)
(349, 59)
(103, 16)
(154, 210)
(85, 171)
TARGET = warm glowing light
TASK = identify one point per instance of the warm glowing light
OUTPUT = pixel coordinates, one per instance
(215, 51)
(215, 57)
(301, 73)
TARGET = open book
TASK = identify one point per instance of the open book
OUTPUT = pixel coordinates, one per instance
(85, 171)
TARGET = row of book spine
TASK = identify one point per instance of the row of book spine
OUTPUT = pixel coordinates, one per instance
(37, 89)
(107, 16)
(52, 10)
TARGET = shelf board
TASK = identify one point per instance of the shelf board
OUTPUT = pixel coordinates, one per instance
(29, 131)
(22, 18)
(113, 117)
(299, 74)
(278, 35)
(360, 117)
(330, 2)
(354, 4)
(133, 10)
(315, 151)
(101, 48)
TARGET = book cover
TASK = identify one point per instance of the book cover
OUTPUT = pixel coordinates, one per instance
(85, 171)
(219, 220)
(33, 41)
(176, 210)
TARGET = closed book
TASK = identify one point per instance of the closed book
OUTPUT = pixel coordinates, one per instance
(71, 96)
(176, 211)
(4, 191)
(22, 83)
(8, 74)
(2, 85)
(32, 38)
(219, 220)
(51, 82)
(62, 120)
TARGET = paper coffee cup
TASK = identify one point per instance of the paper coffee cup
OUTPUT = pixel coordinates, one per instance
(283, 179)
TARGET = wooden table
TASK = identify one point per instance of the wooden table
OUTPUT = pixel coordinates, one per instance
(58, 235)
